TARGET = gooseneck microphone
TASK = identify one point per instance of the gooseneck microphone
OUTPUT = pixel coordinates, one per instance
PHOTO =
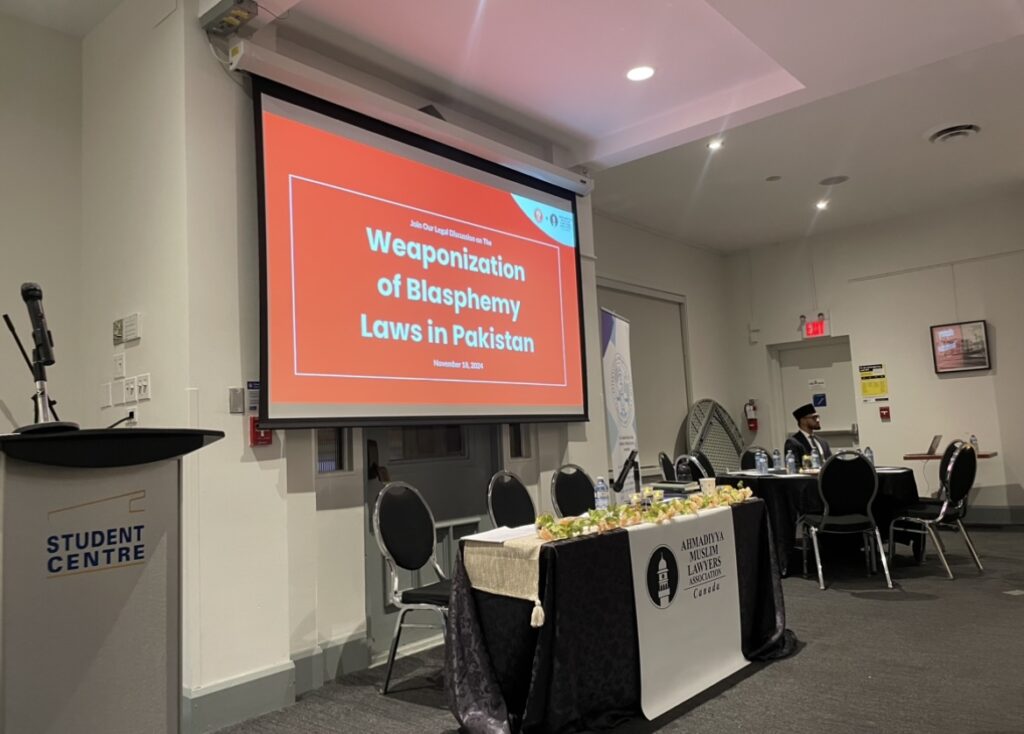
(42, 353)
(46, 419)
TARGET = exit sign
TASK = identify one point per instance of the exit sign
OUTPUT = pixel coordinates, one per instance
(815, 329)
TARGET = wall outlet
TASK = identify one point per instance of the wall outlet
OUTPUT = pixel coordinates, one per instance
(117, 392)
(119, 366)
(106, 396)
(133, 416)
(143, 389)
(131, 390)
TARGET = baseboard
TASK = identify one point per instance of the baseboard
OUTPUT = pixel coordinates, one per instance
(410, 649)
(229, 702)
(344, 655)
(309, 670)
(994, 515)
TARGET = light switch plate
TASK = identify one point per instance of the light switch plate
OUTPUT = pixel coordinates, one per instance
(119, 365)
(117, 392)
(143, 387)
(106, 397)
(131, 395)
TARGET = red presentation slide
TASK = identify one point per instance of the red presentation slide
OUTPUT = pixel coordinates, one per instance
(393, 282)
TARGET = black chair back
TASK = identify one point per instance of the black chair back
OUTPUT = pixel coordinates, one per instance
(404, 526)
(509, 502)
(572, 491)
(848, 484)
(668, 469)
(689, 469)
(962, 468)
(707, 470)
(749, 458)
(947, 455)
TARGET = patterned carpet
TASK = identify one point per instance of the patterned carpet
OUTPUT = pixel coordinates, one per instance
(932, 655)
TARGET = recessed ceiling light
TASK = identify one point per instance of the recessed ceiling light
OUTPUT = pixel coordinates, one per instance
(953, 133)
(834, 180)
(822, 205)
(715, 144)
(639, 73)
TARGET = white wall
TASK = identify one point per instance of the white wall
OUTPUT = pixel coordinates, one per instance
(40, 209)
(884, 285)
(628, 254)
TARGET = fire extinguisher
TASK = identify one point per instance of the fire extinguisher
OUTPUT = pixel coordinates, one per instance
(750, 410)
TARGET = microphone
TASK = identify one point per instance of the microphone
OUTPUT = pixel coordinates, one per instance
(627, 466)
(32, 295)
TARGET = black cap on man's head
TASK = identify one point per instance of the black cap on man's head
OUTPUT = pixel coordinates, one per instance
(804, 410)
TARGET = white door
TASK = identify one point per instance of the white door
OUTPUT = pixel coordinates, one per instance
(820, 372)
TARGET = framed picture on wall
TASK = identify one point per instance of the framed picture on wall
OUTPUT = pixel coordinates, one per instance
(960, 347)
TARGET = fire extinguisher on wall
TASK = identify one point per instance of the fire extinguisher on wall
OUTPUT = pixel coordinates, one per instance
(750, 410)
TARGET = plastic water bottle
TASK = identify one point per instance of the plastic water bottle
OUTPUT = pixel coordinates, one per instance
(762, 462)
(869, 454)
(790, 462)
(815, 458)
(974, 442)
(776, 459)
(601, 494)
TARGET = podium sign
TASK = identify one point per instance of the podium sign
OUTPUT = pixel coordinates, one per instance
(90, 580)
(91, 604)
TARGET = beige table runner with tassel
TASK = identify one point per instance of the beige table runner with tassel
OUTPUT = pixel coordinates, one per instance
(510, 569)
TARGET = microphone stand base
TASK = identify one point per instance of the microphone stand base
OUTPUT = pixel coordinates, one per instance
(51, 427)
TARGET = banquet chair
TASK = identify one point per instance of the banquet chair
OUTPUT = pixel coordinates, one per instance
(668, 469)
(572, 491)
(699, 462)
(404, 527)
(847, 485)
(749, 458)
(956, 476)
(508, 501)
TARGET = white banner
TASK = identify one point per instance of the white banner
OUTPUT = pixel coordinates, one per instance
(687, 607)
(620, 408)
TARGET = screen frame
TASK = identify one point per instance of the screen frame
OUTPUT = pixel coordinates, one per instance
(935, 356)
(262, 85)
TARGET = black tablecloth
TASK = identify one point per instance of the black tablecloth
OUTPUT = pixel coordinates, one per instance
(788, 497)
(580, 670)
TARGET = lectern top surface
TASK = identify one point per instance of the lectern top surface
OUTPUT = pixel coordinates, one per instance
(106, 447)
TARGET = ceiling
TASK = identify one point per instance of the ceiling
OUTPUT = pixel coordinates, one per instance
(801, 89)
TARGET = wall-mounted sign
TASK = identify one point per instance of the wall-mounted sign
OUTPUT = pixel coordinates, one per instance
(816, 328)
(819, 400)
(874, 385)
(884, 414)
(816, 384)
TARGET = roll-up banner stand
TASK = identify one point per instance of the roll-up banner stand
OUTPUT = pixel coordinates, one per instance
(620, 408)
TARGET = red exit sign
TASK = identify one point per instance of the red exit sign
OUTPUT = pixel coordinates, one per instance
(815, 329)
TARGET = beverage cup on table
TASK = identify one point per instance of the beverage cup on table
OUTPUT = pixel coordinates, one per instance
(707, 485)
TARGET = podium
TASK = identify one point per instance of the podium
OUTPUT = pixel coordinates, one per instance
(90, 579)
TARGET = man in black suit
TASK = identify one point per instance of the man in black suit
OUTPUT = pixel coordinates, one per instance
(801, 442)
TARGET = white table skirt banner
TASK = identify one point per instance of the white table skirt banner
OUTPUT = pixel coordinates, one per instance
(687, 607)
(620, 408)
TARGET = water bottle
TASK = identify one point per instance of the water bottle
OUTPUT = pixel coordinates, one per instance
(776, 459)
(790, 462)
(762, 462)
(601, 494)
(815, 458)
(869, 454)
(974, 442)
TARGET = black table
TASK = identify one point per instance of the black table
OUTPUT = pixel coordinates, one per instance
(789, 496)
(581, 669)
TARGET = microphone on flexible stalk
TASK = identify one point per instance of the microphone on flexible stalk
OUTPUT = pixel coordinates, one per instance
(42, 353)
(46, 419)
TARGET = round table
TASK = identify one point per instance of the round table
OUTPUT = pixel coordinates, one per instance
(788, 496)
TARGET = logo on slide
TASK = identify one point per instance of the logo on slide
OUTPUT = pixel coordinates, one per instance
(662, 577)
(538, 216)
(553, 219)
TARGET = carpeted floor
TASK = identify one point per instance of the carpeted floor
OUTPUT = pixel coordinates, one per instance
(932, 655)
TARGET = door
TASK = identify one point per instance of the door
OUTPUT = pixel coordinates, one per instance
(451, 467)
(656, 346)
(820, 372)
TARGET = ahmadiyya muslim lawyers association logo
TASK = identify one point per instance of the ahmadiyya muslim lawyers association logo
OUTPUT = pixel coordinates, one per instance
(662, 577)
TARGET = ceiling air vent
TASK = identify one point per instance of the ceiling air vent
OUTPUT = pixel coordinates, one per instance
(953, 133)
